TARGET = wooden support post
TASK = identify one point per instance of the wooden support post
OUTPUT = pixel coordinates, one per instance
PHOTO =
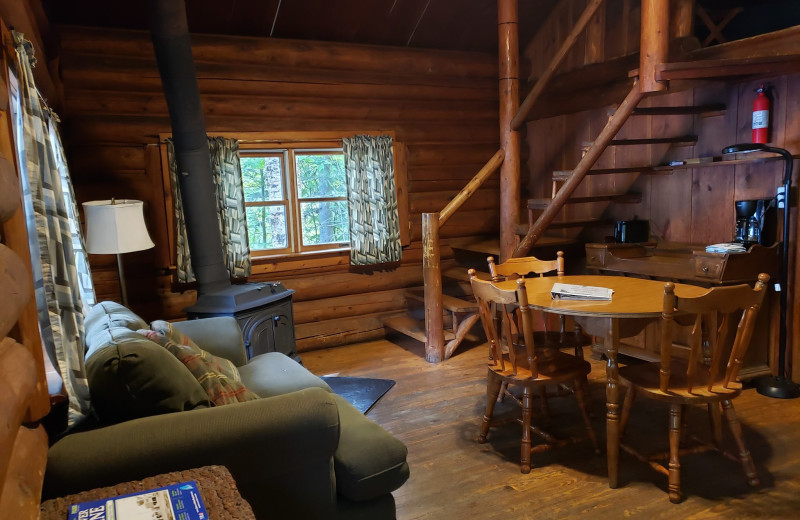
(508, 39)
(654, 43)
(432, 278)
(537, 89)
(588, 160)
(682, 22)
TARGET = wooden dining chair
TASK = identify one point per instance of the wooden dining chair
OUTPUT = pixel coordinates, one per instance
(514, 268)
(701, 379)
(523, 365)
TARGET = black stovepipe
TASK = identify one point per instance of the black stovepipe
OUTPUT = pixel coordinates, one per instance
(170, 34)
(780, 386)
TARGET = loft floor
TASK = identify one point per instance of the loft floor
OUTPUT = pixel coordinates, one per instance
(436, 410)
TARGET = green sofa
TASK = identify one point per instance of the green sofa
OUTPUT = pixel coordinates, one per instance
(298, 452)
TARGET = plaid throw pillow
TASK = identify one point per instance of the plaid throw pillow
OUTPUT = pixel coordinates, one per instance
(166, 329)
(205, 368)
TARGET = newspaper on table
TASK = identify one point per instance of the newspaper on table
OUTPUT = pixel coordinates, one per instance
(567, 291)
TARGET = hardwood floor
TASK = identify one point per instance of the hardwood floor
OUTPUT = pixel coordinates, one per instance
(436, 410)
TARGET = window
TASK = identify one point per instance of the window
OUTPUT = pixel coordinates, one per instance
(295, 198)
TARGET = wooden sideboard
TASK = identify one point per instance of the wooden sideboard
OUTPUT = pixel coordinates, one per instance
(689, 263)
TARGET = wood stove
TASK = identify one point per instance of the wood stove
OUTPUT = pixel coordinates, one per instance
(263, 310)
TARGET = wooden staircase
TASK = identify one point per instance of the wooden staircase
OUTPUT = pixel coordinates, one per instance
(461, 310)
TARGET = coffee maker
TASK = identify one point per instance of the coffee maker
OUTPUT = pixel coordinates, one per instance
(756, 222)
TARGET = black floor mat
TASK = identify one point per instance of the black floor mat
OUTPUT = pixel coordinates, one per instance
(361, 392)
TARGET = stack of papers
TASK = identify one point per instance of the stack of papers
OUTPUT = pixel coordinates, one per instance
(566, 291)
(731, 247)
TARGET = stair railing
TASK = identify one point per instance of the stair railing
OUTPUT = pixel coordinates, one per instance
(431, 260)
(652, 53)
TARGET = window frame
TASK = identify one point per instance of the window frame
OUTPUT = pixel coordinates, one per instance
(292, 200)
(293, 262)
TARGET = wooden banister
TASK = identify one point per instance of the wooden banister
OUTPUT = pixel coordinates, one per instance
(588, 160)
(472, 186)
(536, 91)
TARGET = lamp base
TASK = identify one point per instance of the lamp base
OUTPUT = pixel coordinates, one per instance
(778, 387)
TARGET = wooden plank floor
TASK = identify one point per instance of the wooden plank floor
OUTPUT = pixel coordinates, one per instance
(436, 411)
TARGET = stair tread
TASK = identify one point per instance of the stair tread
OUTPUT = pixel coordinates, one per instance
(620, 198)
(678, 110)
(522, 229)
(460, 273)
(682, 139)
(412, 327)
(563, 175)
(451, 303)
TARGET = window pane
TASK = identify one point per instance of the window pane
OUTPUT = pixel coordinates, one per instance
(320, 175)
(262, 179)
(324, 222)
(266, 227)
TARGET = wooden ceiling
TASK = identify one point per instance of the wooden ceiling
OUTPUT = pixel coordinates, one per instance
(467, 25)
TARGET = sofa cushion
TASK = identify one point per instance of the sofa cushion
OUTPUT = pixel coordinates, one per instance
(205, 368)
(130, 376)
(274, 373)
(369, 461)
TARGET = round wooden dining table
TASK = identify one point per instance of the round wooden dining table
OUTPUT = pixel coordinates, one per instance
(635, 303)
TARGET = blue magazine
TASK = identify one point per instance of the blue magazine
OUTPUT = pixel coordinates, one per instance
(175, 502)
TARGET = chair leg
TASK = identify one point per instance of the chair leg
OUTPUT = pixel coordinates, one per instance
(492, 389)
(501, 395)
(630, 395)
(674, 458)
(578, 390)
(715, 418)
(527, 404)
(744, 454)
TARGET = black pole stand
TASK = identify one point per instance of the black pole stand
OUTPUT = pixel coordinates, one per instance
(779, 386)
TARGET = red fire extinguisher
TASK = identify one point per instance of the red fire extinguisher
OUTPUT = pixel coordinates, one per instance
(760, 116)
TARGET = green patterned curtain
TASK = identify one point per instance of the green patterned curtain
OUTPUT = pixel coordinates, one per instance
(230, 208)
(62, 281)
(371, 200)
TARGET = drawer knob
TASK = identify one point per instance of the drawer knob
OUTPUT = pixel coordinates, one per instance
(705, 268)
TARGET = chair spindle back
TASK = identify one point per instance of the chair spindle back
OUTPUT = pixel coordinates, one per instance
(520, 267)
(492, 301)
(709, 330)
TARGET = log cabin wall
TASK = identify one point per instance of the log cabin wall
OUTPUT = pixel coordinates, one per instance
(442, 107)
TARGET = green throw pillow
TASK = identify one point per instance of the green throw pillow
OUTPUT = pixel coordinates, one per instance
(131, 377)
(206, 368)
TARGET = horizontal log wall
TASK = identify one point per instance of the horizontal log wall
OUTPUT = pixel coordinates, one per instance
(441, 105)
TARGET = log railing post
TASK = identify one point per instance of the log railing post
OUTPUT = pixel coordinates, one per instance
(432, 278)
(508, 40)
(654, 43)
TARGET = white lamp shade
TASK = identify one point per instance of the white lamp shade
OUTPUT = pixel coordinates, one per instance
(115, 226)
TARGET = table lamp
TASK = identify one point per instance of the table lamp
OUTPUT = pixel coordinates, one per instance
(116, 227)
(780, 386)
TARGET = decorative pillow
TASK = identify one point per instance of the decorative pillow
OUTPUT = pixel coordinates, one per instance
(131, 377)
(205, 368)
(166, 329)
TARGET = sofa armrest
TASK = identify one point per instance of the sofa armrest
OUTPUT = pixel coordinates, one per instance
(278, 449)
(220, 336)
